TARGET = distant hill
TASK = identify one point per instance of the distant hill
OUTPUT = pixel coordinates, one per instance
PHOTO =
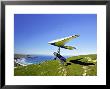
(20, 55)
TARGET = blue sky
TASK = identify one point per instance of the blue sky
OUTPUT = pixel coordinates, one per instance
(32, 32)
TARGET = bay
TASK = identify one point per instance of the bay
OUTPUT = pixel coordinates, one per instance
(35, 59)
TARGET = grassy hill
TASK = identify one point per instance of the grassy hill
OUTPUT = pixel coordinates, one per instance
(82, 65)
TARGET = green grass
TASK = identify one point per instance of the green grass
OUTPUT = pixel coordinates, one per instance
(55, 68)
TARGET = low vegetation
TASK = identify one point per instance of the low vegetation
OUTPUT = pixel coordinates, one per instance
(82, 65)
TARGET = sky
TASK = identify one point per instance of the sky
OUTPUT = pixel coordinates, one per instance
(32, 32)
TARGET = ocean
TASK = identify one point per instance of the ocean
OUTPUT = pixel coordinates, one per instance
(35, 59)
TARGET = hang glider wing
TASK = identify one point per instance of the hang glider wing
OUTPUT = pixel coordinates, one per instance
(61, 42)
(68, 47)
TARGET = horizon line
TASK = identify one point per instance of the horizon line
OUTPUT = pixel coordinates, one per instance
(52, 54)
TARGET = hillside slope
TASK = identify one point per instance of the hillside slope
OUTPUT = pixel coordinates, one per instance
(82, 65)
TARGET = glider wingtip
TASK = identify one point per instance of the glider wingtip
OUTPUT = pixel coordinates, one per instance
(77, 35)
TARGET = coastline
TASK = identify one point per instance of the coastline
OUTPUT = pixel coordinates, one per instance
(24, 60)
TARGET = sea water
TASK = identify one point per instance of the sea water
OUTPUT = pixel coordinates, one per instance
(35, 59)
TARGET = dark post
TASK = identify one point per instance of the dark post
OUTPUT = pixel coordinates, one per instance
(59, 50)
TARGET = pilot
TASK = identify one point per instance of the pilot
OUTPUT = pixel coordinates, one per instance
(62, 59)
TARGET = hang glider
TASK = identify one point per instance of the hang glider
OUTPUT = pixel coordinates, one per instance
(61, 42)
